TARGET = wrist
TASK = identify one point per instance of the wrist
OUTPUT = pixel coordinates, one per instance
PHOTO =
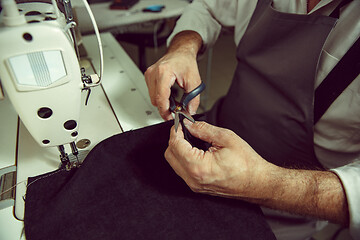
(188, 42)
(279, 185)
(267, 182)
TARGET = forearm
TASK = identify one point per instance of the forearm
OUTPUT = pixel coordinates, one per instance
(316, 194)
(186, 41)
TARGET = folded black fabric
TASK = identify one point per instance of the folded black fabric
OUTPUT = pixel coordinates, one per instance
(125, 189)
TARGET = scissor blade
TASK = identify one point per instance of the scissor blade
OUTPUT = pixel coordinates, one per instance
(187, 115)
(177, 120)
(189, 118)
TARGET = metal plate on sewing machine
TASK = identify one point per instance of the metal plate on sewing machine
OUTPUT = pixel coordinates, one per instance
(83, 143)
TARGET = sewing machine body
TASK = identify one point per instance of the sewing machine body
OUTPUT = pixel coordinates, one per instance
(40, 72)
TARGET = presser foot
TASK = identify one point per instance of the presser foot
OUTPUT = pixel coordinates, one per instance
(74, 161)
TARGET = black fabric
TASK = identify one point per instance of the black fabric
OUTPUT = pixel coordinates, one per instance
(195, 142)
(125, 189)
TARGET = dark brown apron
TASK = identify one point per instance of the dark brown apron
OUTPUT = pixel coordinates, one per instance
(270, 101)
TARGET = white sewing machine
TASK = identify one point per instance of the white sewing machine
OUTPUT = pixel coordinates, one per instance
(40, 72)
(42, 83)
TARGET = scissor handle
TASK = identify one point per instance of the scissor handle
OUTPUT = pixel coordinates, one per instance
(187, 97)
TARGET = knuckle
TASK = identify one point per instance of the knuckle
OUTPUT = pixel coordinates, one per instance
(167, 154)
(163, 66)
(198, 174)
(201, 125)
(149, 69)
(173, 143)
(158, 97)
(162, 111)
(194, 185)
(228, 133)
(153, 102)
(148, 73)
(194, 188)
(156, 101)
(228, 137)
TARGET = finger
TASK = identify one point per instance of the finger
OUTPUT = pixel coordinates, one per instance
(172, 153)
(177, 140)
(165, 114)
(209, 133)
(194, 105)
(150, 80)
(180, 147)
(163, 92)
(180, 154)
(171, 159)
(177, 166)
(153, 80)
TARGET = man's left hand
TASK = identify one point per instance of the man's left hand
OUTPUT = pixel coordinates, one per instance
(230, 167)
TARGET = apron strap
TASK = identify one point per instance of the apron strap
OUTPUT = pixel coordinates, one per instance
(337, 80)
(336, 12)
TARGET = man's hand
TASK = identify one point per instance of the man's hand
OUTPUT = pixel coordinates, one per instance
(177, 65)
(231, 168)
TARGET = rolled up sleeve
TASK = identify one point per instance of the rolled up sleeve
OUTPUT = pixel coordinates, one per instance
(350, 178)
(206, 17)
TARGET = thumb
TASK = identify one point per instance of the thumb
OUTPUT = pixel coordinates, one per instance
(209, 133)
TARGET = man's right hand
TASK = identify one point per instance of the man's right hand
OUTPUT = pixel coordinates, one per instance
(177, 65)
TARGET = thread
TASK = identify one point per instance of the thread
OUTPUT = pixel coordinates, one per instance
(46, 176)
(27, 185)
(9, 189)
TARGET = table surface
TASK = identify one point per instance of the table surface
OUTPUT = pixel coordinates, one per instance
(108, 20)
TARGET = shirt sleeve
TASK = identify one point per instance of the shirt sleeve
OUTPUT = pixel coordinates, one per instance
(350, 178)
(206, 17)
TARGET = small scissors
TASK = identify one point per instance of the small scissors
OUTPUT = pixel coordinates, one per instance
(180, 107)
